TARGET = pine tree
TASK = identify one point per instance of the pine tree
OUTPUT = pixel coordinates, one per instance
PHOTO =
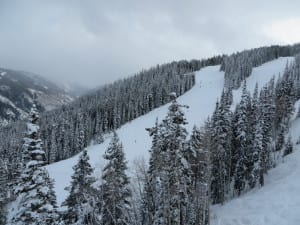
(267, 117)
(2, 213)
(217, 157)
(36, 202)
(242, 153)
(81, 200)
(173, 179)
(149, 203)
(53, 152)
(115, 205)
(288, 148)
(255, 113)
(221, 150)
(81, 136)
(200, 166)
(284, 98)
(257, 174)
(280, 138)
(3, 191)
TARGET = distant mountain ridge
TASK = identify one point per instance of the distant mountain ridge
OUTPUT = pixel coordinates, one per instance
(19, 89)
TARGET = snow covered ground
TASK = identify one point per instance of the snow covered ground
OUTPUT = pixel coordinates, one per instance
(201, 100)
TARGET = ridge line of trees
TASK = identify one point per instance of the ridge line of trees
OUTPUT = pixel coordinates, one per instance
(238, 66)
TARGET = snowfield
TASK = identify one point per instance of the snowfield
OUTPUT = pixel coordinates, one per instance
(201, 100)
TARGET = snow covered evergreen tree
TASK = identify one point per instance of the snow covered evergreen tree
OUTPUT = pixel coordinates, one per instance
(170, 171)
(242, 152)
(81, 202)
(201, 167)
(257, 173)
(36, 202)
(221, 134)
(115, 203)
(267, 117)
(288, 148)
(284, 98)
(53, 154)
(149, 203)
(280, 138)
(3, 191)
(2, 213)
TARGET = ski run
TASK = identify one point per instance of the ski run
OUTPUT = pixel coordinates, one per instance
(278, 202)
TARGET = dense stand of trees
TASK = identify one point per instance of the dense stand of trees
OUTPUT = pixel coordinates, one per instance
(3, 191)
(247, 142)
(65, 131)
(110, 107)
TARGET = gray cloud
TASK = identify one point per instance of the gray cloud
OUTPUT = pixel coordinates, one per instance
(95, 41)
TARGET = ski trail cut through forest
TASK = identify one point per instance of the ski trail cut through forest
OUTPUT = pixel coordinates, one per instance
(201, 100)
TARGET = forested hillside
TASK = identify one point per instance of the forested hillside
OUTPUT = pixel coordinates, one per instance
(65, 131)
(220, 159)
(202, 149)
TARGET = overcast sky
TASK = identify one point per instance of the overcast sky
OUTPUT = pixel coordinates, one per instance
(92, 42)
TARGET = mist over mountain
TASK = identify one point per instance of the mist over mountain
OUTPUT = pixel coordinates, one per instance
(20, 89)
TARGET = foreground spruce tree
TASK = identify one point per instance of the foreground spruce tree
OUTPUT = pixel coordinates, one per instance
(242, 142)
(200, 165)
(81, 201)
(2, 214)
(169, 187)
(36, 202)
(221, 150)
(148, 201)
(288, 148)
(3, 191)
(115, 187)
(257, 173)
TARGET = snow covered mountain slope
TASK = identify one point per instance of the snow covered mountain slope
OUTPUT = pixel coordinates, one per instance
(18, 90)
(136, 141)
(201, 100)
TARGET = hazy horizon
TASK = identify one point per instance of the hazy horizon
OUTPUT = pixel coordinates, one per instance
(96, 42)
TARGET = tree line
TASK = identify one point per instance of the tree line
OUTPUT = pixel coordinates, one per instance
(238, 66)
